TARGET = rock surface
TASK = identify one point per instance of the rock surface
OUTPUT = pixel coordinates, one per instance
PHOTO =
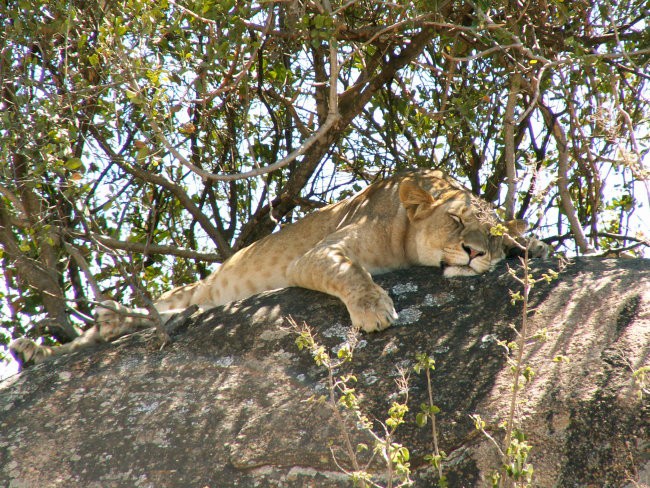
(226, 404)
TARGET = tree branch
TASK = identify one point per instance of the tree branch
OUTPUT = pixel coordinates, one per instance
(185, 200)
(509, 141)
(147, 248)
(563, 179)
(42, 279)
(81, 262)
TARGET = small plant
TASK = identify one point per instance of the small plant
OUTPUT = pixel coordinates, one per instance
(427, 414)
(342, 397)
(514, 449)
(518, 469)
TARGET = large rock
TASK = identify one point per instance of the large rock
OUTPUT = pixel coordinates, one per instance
(227, 403)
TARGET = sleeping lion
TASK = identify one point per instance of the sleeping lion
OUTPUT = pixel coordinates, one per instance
(421, 217)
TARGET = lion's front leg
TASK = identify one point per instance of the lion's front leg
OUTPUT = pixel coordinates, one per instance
(370, 308)
(330, 269)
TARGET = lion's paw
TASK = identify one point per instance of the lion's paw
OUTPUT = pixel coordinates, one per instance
(373, 310)
(26, 352)
(538, 249)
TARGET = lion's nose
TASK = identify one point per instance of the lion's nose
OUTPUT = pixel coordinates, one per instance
(472, 253)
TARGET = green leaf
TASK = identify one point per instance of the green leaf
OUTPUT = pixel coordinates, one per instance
(479, 423)
(421, 419)
(73, 164)
(528, 373)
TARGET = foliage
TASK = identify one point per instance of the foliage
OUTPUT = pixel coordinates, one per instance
(344, 399)
(137, 137)
(514, 450)
(428, 413)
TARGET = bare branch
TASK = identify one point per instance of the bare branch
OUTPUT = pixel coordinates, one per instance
(81, 262)
(509, 141)
(330, 123)
(563, 178)
(147, 248)
(176, 190)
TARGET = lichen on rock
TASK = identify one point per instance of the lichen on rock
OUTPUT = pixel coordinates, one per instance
(227, 403)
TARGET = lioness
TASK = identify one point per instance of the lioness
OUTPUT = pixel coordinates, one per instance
(421, 217)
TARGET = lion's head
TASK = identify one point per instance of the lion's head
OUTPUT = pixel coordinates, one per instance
(452, 228)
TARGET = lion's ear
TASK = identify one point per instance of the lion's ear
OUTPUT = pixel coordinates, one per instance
(410, 193)
(413, 196)
(516, 227)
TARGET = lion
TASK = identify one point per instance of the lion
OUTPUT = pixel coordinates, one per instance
(422, 217)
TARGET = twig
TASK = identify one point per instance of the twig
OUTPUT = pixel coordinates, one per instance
(151, 308)
(81, 262)
(150, 248)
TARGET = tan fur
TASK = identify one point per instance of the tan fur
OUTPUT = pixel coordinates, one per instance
(112, 321)
(418, 218)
